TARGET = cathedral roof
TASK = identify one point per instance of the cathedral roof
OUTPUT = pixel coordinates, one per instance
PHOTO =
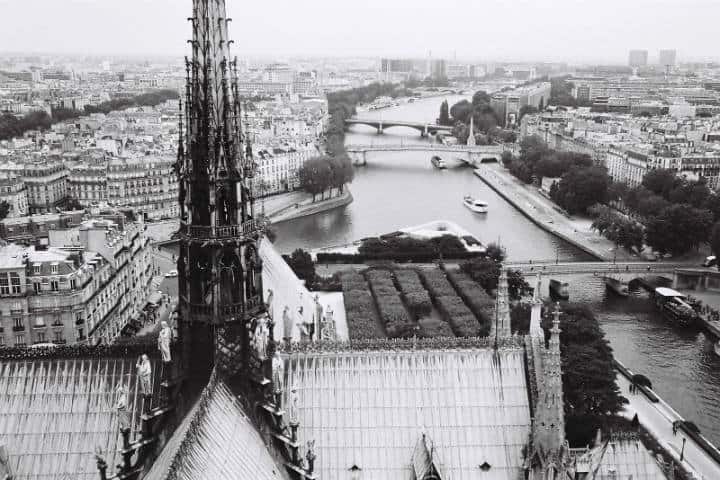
(629, 459)
(55, 414)
(216, 439)
(369, 410)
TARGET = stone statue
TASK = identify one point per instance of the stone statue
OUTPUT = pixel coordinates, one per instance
(278, 376)
(287, 324)
(144, 372)
(292, 407)
(328, 328)
(261, 339)
(164, 339)
(121, 407)
(318, 317)
(269, 303)
(310, 456)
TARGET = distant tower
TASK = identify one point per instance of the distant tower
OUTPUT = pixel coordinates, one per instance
(218, 264)
(503, 305)
(471, 136)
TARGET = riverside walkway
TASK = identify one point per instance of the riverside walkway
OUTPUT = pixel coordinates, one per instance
(657, 418)
(544, 213)
(559, 268)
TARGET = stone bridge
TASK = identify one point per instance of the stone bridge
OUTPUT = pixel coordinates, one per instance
(472, 155)
(425, 129)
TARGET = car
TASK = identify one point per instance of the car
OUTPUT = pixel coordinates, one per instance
(172, 274)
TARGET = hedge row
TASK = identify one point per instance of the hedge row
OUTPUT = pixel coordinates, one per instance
(436, 283)
(400, 257)
(459, 316)
(415, 295)
(398, 323)
(475, 297)
(432, 328)
(362, 321)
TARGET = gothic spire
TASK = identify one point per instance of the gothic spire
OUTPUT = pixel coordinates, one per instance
(503, 306)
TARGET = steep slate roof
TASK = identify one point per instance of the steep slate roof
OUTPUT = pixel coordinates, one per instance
(54, 413)
(370, 409)
(216, 440)
(629, 459)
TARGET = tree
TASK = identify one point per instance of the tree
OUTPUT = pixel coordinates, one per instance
(678, 229)
(525, 109)
(495, 252)
(480, 98)
(302, 264)
(579, 188)
(532, 149)
(4, 209)
(444, 118)
(486, 272)
(661, 182)
(506, 158)
(461, 111)
(461, 132)
(315, 175)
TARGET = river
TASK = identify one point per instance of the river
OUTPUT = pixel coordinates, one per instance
(402, 189)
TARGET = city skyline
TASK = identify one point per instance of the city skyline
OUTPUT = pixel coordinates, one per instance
(564, 33)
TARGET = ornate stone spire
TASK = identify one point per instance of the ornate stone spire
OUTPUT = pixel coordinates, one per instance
(503, 306)
(549, 426)
(218, 263)
(471, 136)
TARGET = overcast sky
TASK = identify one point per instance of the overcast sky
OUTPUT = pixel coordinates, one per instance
(574, 30)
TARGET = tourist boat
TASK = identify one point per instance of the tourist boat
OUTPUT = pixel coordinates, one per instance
(477, 206)
(673, 306)
(616, 286)
(438, 162)
(380, 103)
(559, 290)
(716, 347)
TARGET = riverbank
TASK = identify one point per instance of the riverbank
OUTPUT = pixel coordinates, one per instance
(543, 213)
(306, 207)
(699, 456)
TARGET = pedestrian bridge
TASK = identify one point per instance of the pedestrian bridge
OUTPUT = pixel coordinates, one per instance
(472, 155)
(425, 129)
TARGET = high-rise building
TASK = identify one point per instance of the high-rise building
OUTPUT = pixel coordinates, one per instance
(638, 58)
(667, 58)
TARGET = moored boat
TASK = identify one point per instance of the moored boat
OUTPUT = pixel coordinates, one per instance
(477, 206)
(559, 290)
(673, 306)
(438, 162)
(716, 347)
(616, 286)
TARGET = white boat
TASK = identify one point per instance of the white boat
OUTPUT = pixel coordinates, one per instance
(438, 162)
(477, 206)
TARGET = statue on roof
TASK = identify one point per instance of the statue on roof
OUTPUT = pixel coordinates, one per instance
(292, 407)
(121, 405)
(318, 320)
(164, 339)
(144, 373)
(287, 325)
(278, 377)
(269, 303)
(260, 338)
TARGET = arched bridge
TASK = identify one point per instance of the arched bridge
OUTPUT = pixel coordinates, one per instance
(465, 153)
(424, 128)
(565, 268)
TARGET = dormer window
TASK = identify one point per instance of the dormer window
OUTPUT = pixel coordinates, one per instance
(54, 268)
(36, 268)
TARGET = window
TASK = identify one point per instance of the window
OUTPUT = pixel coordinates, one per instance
(54, 285)
(15, 283)
(19, 340)
(4, 285)
(37, 287)
(59, 337)
(79, 318)
(54, 268)
(80, 334)
(73, 283)
(39, 321)
(18, 322)
(40, 337)
(36, 268)
(2, 341)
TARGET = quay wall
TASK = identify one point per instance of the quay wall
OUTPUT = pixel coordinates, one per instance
(597, 254)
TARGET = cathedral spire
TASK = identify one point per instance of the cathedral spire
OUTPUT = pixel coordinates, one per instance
(218, 265)
(471, 136)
